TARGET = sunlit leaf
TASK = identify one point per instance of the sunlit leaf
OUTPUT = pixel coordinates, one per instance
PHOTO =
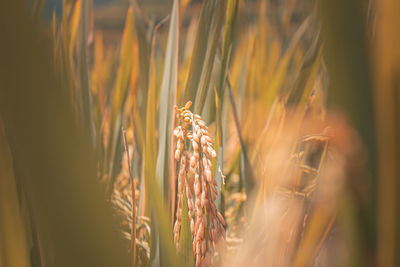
(167, 101)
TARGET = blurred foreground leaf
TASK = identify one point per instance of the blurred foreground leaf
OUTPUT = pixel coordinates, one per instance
(53, 154)
(14, 245)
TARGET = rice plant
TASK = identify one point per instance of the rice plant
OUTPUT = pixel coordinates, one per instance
(199, 133)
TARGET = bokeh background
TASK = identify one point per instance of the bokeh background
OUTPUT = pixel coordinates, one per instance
(300, 98)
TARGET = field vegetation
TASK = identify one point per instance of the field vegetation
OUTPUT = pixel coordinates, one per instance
(225, 133)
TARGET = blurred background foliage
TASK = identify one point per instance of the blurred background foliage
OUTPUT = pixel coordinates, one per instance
(301, 99)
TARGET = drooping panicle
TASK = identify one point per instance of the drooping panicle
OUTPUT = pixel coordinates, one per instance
(194, 152)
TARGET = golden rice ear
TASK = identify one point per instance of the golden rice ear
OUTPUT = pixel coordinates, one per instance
(188, 105)
(196, 172)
